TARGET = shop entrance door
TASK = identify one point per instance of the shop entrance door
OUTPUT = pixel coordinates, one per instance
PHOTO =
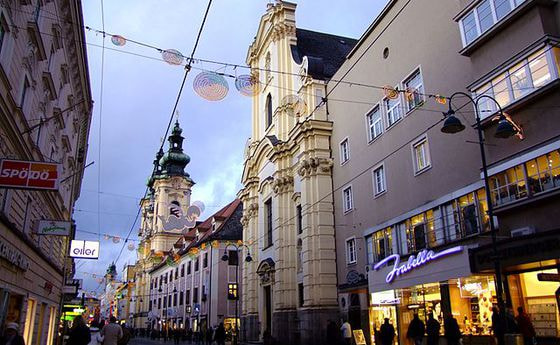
(268, 308)
(354, 309)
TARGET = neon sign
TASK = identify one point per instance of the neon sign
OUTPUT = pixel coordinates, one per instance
(414, 261)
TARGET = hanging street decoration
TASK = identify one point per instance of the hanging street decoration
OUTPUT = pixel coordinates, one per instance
(296, 103)
(441, 99)
(130, 246)
(247, 85)
(116, 239)
(390, 92)
(210, 86)
(118, 40)
(172, 57)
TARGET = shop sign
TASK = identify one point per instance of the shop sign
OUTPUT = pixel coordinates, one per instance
(423, 258)
(13, 256)
(384, 298)
(70, 289)
(548, 277)
(30, 175)
(84, 249)
(54, 227)
(359, 337)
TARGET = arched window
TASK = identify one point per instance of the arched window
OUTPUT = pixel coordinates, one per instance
(299, 256)
(268, 110)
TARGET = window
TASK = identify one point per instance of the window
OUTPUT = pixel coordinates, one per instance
(268, 111)
(414, 91)
(421, 155)
(379, 180)
(392, 108)
(195, 295)
(159, 302)
(169, 300)
(175, 299)
(171, 276)
(318, 97)
(351, 251)
(370, 252)
(347, 199)
(181, 297)
(299, 221)
(268, 222)
(188, 297)
(481, 18)
(150, 305)
(164, 301)
(382, 244)
(189, 268)
(205, 260)
(300, 294)
(196, 264)
(544, 172)
(24, 90)
(182, 270)
(3, 30)
(232, 291)
(344, 151)
(64, 74)
(375, 125)
(233, 258)
(508, 185)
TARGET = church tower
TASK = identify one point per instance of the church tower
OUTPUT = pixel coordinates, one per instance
(167, 201)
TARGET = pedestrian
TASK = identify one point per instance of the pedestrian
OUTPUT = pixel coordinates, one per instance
(511, 323)
(525, 327)
(452, 331)
(96, 338)
(432, 330)
(79, 333)
(220, 334)
(112, 332)
(387, 333)
(209, 335)
(416, 330)
(498, 325)
(346, 331)
(11, 335)
(176, 336)
(332, 333)
(127, 334)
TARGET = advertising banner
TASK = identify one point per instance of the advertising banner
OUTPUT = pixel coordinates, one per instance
(84, 249)
(29, 175)
(53, 227)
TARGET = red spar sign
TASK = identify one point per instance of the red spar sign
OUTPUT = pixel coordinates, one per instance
(31, 175)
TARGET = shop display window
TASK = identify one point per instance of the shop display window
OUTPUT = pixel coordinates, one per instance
(508, 186)
(472, 299)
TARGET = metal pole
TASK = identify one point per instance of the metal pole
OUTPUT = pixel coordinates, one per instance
(237, 299)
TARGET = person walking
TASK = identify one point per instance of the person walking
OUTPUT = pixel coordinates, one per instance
(452, 331)
(209, 335)
(176, 336)
(432, 330)
(112, 332)
(220, 334)
(96, 338)
(525, 326)
(498, 326)
(127, 334)
(416, 330)
(332, 333)
(386, 333)
(79, 333)
(11, 335)
(346, 331)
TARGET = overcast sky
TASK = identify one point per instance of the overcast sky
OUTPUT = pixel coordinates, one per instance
(131, 117)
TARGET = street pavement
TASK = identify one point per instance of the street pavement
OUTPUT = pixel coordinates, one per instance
(147, 341)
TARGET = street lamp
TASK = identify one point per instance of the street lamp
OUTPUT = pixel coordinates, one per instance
(248, 258)
(505, 129)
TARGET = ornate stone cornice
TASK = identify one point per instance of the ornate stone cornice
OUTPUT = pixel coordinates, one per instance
(314, 165)
(281, 30)
(282, 184)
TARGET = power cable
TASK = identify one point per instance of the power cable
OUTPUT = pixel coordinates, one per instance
(100, 123)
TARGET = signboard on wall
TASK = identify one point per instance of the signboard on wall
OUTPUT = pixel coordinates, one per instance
(84, 249)
(53, 227)
(29, 175)
(359, 337)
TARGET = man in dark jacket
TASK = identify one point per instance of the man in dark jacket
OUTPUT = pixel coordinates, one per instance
(220, 335)
(11, 335)
(416, 330)
(387, 333)
(432, 329)
(525, 326)
(452, 331)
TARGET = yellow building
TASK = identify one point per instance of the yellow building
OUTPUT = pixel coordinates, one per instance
(290, 288)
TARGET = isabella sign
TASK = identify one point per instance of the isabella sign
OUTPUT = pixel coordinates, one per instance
(31, 175)
(423, 258)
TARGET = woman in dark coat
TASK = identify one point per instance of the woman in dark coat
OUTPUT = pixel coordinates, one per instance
(79, 334)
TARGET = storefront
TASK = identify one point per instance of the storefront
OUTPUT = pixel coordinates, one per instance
(438, 282)
(531, 266)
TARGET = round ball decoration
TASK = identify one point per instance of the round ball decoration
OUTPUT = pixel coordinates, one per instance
(130, 246)
(172, 57)
(247, 85)
(390, 92)
(296, 103)
(116, 239)
(210, 86)
(441, 99)
(118, 40)
(106, 237)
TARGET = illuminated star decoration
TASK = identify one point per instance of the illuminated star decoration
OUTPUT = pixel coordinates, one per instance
(247, 85)
(210, 86)
(172, 57)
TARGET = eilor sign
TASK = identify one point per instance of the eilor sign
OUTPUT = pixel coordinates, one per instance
(414, 261)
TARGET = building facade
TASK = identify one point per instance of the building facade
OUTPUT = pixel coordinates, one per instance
(195, 288)
(407, 195)
(290, 288)
(45, 116)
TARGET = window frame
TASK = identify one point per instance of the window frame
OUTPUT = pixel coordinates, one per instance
(269, 113)
(299, 219)
(347, 208)
(351, 258)
(423, 140)
(344, 143)
(390, 110)
(410, 77)
(370, 127)
(268, 222)
(378, 167)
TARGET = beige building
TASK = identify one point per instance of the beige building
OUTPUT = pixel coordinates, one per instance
(403, 189)
(45, 115)
(290, 288)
